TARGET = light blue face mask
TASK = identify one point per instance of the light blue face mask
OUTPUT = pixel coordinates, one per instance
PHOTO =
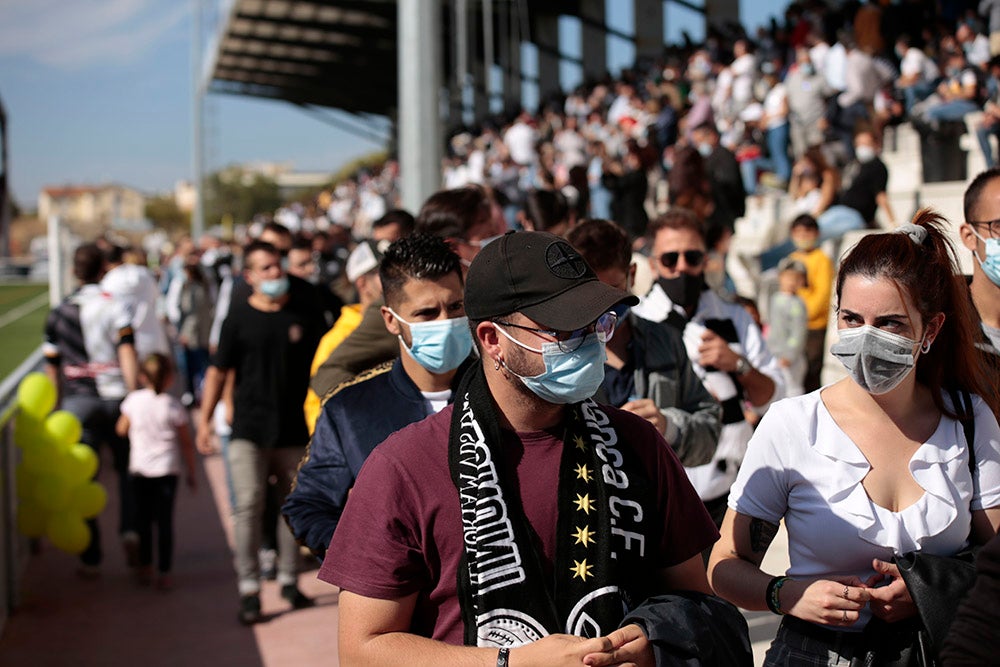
(276, 288)
(439, 345)
(569, 377)
(990, 265)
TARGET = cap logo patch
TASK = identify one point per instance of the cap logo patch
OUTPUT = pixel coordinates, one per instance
(564, 262)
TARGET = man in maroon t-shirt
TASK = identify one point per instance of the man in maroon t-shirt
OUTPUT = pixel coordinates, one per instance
(525, 520)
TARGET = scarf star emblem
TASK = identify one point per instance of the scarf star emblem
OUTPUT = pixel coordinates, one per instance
(583, 503)
(580, 444)
(583, 472)
(581, 569)
(583, 536)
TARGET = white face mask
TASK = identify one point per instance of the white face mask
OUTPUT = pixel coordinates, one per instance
(877, 360)
(864, 154)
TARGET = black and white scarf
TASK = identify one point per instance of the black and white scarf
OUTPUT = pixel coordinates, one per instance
(605, 529)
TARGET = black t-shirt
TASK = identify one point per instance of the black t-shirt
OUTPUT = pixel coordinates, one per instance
(271, 353)
(871, 178)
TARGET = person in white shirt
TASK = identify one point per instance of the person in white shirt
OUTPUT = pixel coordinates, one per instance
(160, 437)
(917, 72)
(873, 466)
(725, 346)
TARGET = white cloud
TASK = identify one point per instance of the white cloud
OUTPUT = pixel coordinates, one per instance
(74, 34)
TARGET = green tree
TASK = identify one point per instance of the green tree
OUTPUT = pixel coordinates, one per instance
(240, 195)
(162, 210)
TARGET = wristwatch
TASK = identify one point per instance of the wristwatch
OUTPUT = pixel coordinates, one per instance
(743, 366)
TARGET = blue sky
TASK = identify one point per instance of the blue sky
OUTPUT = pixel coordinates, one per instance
(100, 91)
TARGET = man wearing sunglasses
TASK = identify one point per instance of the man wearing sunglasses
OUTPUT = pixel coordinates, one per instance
(981, 235)
(647, 371)
(725, 346)
(524, 517)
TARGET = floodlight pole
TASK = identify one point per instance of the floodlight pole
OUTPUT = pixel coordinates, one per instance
(419, 86)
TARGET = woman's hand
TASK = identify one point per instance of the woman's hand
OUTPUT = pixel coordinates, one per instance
(891, 603)
(836, 602)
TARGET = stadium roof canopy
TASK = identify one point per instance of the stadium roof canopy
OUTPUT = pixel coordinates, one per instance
(340, 55)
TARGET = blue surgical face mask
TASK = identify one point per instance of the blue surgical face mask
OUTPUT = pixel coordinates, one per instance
(990, 265)
(569, 377)
(439, 345)
(276, 288)
(705, 149)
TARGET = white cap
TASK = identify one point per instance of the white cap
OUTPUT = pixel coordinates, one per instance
(362, 259)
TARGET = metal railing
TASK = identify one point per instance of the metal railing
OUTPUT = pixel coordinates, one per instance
(14, 548)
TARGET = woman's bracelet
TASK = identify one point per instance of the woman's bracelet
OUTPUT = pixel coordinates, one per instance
(771, 594)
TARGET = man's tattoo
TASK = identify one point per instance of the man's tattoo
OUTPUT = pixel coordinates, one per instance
(761, 535)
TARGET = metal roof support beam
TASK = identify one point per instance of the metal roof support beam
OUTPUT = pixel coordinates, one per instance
(594, 40)
(546, 36)
(648, 28)
(419, 26)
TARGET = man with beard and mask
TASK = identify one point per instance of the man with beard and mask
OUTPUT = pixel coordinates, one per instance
(981, 235)
(422, 285)
(266, 345)
(525, 510)
(725, 346)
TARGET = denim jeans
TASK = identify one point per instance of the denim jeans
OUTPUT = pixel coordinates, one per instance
(98, 416)
(777, 147)
(954, 110)
(251, 465)
(983, 135)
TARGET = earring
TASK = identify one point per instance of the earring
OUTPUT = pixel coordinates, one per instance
(925, 347)
(496, 364)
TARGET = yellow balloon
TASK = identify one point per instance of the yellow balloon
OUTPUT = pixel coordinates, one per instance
(89, 500)
(27, 430)
(63, 428)
(52, 493)
(36, 395)
(67, 531)
(42, 457)
(78, 464)
(31, 519)
(25, 480)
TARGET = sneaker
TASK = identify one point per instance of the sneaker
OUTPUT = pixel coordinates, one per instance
(268, 559)
(292, 593)
(249, 609)
(130, 544)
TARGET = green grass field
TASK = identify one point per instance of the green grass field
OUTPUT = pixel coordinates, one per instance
(22, 318)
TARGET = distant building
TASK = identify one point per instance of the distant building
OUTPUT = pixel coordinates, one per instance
(98, 207)
(185, 196)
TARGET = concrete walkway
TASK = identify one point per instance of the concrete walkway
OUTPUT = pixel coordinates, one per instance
(113, 622)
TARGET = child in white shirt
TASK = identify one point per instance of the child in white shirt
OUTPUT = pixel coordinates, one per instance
(160, 437)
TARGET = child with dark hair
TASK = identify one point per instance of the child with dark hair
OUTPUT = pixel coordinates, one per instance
(815, 293)
(157, 426)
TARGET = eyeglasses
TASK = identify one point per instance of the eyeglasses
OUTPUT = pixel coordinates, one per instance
(691, 258)
(992, 227)
(570, 341)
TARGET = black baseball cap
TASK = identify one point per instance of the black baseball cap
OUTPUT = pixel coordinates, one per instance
(543, 277)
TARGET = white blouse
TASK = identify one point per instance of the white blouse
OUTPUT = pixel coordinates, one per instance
(800, 466)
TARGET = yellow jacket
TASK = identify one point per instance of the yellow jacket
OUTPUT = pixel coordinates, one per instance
(816, 294)
(350, 318)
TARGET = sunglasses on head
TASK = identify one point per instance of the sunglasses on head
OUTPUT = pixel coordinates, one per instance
(691, 258)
